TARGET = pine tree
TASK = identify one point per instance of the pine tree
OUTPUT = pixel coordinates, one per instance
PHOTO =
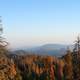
(76, 60)
(68, 66)
(3, 43)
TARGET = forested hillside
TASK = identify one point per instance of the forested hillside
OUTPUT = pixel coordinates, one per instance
(36, 67)
(39, 67)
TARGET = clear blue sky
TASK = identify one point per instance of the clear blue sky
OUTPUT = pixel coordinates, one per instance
(35, 22)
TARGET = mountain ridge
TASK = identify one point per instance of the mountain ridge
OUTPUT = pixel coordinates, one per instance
(46, 49)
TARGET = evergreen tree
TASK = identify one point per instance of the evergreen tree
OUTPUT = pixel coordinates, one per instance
(3, 43)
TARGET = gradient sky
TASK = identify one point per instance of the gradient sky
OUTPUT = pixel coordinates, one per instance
(35, 22)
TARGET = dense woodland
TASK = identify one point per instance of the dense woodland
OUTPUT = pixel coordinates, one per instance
(37, 67)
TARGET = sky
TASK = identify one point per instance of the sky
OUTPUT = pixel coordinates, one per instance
(38, 22)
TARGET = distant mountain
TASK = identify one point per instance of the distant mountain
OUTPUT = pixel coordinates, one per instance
(47, 49)
(50, 49)
(53, 46)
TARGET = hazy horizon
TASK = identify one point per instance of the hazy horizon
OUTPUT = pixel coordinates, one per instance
(38, 22)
